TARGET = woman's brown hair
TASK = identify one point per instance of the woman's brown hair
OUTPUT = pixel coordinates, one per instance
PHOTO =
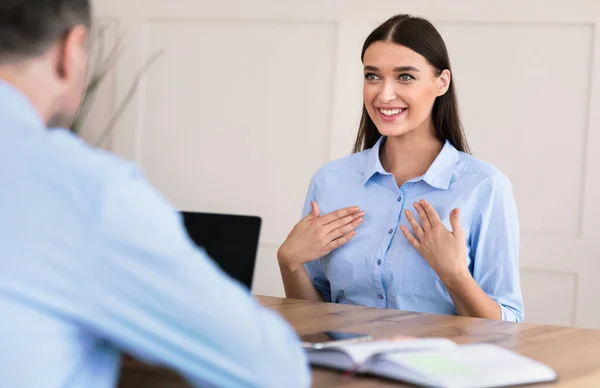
(421, 36)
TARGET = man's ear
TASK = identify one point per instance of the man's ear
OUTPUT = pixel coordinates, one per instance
(71, 53)
(443, 82)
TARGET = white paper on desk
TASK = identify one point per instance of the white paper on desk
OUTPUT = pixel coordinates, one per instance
(348, 355)
(465, 366)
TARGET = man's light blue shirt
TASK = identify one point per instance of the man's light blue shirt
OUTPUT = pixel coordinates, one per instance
(379, 267)
(93, 262)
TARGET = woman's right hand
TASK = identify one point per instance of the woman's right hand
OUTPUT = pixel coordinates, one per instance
(315, 235)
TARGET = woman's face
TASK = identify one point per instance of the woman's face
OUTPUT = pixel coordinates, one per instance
(400, 87)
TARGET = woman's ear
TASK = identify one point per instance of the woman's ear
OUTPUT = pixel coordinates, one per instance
(443, 82)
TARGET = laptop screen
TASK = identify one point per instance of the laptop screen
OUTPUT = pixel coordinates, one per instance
(230, 240)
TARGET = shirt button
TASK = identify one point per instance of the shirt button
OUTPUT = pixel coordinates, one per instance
(380, 296)
(399, 199)
(390, 231)
(379, 262)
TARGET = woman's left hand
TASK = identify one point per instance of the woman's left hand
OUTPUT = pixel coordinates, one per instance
(444, 250)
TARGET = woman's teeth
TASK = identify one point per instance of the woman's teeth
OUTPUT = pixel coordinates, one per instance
(391, 112)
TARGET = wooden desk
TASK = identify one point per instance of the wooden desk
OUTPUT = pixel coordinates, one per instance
(573, 353)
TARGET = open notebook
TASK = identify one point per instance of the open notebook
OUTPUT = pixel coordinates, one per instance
(435, 362)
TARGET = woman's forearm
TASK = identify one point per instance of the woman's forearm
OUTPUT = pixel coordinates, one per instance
(297, 283)
(470, 300)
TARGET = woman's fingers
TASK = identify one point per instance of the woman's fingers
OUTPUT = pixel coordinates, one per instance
(347, 228)
(414, 224)
(341, 222)
(425, 221)
(338, 214)
(432, 215)
(340, 241)
(411, 239)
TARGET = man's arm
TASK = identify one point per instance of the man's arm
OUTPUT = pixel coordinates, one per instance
(148, 290)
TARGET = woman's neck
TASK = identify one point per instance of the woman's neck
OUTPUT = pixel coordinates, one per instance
(410, 155)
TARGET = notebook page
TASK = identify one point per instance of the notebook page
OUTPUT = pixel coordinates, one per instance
(362, 351)
(477, 365)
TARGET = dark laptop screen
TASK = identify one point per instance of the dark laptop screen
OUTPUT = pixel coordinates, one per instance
(230, 240)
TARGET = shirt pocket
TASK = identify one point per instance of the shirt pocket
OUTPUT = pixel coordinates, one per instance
(418, 277)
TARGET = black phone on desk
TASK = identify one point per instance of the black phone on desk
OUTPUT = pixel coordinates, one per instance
(325, 339)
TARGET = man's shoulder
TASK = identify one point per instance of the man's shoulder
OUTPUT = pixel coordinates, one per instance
(83, 165)
(81, 175)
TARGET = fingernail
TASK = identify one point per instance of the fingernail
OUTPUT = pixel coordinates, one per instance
(355, 208)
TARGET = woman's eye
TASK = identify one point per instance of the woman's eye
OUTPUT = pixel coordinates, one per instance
(406, 77)
(371, 77)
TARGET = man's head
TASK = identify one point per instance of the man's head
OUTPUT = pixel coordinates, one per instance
(43, 52)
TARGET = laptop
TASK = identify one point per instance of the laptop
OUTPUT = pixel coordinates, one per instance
(231, 240)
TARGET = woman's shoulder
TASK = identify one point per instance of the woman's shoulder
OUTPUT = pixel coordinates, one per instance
(469, 166)
(349, 164)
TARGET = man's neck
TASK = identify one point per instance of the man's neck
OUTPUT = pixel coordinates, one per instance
(23, 77)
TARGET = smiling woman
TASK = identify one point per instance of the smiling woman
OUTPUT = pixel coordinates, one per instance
(410, 52)
(410, 220)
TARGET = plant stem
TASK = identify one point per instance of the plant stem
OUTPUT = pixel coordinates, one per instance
(127, 99)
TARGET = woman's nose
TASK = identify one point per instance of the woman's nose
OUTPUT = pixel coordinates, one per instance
(387, 92)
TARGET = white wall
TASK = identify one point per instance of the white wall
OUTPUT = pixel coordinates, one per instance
(256, 95)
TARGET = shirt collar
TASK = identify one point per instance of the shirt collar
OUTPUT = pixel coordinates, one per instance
(15, 106)
(439, 174)
(373, 163)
